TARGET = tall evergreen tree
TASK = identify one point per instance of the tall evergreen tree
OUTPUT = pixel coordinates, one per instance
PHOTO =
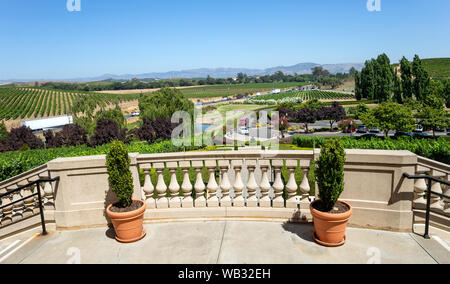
(358, 90)
(384, 74)
(406, 76)
(368, 81)
(421, 81)
(398, 90)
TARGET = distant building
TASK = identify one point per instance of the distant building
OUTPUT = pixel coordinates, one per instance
(47, 123)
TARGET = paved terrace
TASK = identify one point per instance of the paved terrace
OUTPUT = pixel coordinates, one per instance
(222, 242)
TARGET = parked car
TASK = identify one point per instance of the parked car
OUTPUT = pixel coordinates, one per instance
(422, 135)
(419, 129)
(375, 130)
(403, 134)
(135, 113)
(349, 129)
(244, 131)
(362, 129)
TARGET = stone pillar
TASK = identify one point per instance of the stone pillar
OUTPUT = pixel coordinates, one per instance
(225, 185)
(238, 186)
(252, 186)
(291, 185)
(161, 187)
(174, 187)
(200, 200)
(148, 188)
(186, 187)
(265, 184)
(278, 186)
(213, 200)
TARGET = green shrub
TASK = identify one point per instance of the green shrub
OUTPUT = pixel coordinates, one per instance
(330, 173)
(119, 174)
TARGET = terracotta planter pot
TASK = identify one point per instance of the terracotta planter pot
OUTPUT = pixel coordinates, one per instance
(330, 228)
(128, 225)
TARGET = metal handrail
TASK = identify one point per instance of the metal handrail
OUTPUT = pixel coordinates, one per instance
(38, 194)
(429, 193)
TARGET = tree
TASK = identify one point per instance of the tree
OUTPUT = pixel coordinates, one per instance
(107, 131)
(384, 78)
(406, 78)
(164, 103)
(21, 138)
(352, 71)
(368, 80)
(114, 114)
(398, 90)
(433, 118)
(306, 116)
(71, 135)
(421, 81)
(358, 90)
(83, 112)
(333, 114)
(390, 116)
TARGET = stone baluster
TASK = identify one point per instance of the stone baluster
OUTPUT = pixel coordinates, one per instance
(186, 186)
(200, 200)
(447, 200)
(304, 186)
(264, 185)
(420, 189)
(174, 186)
(29, 203)
(252, 185)
(436, 201)
(225, 185)
(48, 196)
(291, 186)
(161, 187)
(278, 186)
(18, 207)
(213, 200)
(7, 211)
(148, 188)
(238, 185)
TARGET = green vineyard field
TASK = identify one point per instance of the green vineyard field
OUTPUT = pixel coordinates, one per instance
(22, 103)
(302, 95)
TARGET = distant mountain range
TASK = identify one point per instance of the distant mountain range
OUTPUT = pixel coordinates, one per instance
(301, 68)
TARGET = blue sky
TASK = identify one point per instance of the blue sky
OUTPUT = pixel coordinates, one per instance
(41, 39)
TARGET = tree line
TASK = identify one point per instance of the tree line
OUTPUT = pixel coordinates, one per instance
(409, 81)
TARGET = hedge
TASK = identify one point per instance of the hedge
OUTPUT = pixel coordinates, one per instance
(438, 150)
(15, 163)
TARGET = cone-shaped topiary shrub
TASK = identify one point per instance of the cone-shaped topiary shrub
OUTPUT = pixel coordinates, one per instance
(120, 178)
(330, 173)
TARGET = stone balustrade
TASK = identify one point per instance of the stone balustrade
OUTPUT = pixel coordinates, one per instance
(242, 183)
(232, 185)
(25, 214)
(440, 212)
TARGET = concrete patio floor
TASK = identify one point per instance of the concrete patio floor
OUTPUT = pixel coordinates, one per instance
(221, 242)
